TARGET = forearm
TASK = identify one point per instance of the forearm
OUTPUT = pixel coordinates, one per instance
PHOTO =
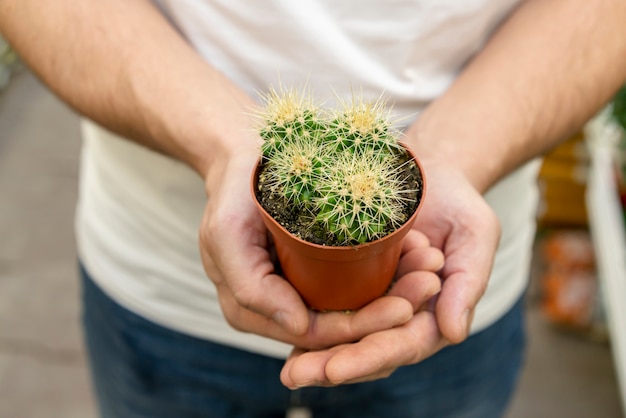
(545, 72)
(121, 64)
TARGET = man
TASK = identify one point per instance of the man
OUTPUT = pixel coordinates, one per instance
(167, 89)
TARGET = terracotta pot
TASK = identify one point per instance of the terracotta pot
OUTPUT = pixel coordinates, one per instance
(337, 277)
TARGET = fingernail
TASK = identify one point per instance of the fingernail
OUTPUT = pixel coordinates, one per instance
(284, 321)
(312, 383)
(466, 321)
(434, 291)
(280, 318)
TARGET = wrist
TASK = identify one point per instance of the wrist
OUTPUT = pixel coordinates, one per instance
(206, 136)
(473, 163)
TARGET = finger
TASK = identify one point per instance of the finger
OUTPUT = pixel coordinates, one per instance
(242, 319)
(375, 356)
(456, 303)
(306, 368)
(248, 273)
(326, 329)
(417, 287)
(423, 258)
(469, 259)
(332, 328)
(386, 350)
(414, 239)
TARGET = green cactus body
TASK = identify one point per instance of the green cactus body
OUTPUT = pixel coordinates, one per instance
(344, 169)
(363, 127)
(288, 117)
(295, 170)
(360, 197)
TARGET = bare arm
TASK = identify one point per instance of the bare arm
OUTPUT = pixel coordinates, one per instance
(121, 64)
(544, 73)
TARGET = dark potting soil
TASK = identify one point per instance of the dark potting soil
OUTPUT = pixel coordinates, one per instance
(297, 220)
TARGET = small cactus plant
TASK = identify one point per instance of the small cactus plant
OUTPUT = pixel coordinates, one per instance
(341, 176)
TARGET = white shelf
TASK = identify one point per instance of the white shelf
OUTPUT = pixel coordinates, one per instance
(608, 234)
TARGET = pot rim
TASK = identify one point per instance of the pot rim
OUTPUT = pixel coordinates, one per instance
(344, 248)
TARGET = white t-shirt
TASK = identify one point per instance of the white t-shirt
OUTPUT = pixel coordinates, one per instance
(139, 212)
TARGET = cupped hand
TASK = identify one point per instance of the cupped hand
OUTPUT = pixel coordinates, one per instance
(454, 218)
(236, 255)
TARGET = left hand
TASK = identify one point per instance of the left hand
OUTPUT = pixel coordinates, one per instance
(457, 220)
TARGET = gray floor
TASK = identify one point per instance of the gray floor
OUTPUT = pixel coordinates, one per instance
(42, 363)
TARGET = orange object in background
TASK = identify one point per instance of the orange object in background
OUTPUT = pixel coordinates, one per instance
(563, 184)
(569, 279)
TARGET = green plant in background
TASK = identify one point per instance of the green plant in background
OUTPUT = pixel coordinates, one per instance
(345, 168)
(618, 110)
(618, 113)
(8, 62)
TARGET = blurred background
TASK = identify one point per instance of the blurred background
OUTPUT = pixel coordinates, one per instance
(576, 350)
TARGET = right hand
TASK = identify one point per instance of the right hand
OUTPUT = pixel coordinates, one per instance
(236, 254)
(456, 219)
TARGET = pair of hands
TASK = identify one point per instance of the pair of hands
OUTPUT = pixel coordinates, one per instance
(429, 307)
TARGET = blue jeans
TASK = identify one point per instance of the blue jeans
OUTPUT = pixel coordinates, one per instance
(141, 369)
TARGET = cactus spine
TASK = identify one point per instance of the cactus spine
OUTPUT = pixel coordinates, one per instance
(345, 169)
